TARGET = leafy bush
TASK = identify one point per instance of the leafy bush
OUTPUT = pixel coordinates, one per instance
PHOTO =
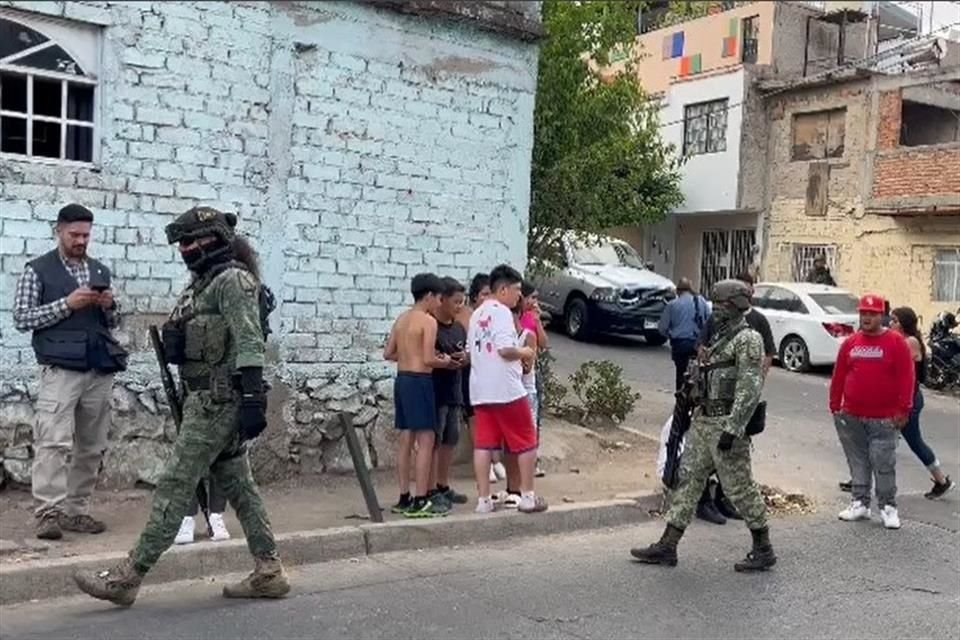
(554, 392)
(601, 390)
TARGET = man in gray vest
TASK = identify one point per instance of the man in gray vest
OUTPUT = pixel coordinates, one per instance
(64, 298)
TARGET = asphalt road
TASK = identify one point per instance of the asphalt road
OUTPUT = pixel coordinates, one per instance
(799, 448)
(833, 580)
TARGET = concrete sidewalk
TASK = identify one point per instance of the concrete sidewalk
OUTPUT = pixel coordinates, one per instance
(592, 482)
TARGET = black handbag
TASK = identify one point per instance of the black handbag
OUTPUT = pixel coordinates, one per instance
(758, 420)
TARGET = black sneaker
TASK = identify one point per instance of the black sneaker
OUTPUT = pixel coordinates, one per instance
(453, 497)
(426, 508)
(939, 489)
(846, 487)
(439, 499)
(403, 505)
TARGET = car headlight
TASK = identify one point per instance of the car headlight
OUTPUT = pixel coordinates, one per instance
(605, 294)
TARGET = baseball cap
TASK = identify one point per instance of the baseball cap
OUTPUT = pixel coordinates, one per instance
(871, 303)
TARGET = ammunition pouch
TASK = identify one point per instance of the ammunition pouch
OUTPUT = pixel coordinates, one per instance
(174, 342)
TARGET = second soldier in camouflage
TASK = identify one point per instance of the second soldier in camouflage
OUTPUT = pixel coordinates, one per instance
(215, 335)
(733, 379)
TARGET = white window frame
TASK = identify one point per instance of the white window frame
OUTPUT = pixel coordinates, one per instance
(9, 65)
(943, 259)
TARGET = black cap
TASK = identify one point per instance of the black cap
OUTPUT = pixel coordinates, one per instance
(74, 213)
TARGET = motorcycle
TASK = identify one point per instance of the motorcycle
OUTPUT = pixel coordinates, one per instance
(943, 371)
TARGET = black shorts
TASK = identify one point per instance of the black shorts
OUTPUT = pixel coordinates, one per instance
(413, 402)
(467, 407)
(448, 425)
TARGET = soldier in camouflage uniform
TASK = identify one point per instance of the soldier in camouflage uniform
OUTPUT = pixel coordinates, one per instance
(215, 335)
(733, 372)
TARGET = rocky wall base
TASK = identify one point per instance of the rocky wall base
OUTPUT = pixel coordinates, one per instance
(304, 433)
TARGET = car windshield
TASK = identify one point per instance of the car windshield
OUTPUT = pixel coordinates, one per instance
(607, 253)
(836, 304)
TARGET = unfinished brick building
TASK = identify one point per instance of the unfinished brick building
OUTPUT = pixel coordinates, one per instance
(865, 168)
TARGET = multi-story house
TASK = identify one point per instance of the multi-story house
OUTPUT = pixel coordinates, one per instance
(704, 74)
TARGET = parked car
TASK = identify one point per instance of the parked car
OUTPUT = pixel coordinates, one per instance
(601, 285)
(809, 321)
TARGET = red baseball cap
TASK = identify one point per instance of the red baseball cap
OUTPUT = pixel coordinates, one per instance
(872, 303)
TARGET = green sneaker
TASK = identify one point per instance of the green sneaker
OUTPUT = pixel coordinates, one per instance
(403, 505)
(426, 508)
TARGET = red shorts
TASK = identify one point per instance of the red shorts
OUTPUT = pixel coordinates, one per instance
(508, 426)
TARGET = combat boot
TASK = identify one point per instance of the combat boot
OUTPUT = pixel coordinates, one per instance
(663, 552)
(761, 557)
(268, 580)
(119, 585)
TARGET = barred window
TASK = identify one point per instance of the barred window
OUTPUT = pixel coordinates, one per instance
(705, 127)
(946, 275)
(48, 89)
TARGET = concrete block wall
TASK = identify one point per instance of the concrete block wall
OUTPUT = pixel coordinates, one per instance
(358, 147)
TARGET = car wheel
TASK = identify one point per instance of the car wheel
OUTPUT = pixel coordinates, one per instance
(576, 319)
(654, 338)
(794, 355)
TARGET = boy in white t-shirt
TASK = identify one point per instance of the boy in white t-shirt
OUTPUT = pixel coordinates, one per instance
(499, 398)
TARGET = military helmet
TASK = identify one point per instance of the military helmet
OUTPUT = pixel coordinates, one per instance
(733, 291)
(200, 222)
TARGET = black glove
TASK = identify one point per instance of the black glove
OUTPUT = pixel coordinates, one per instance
(174, 341)
(726, 441)
(252, 416)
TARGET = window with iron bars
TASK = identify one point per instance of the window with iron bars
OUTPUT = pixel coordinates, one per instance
(705, 127)
(804, 255)
(47, 93)
(946, 275)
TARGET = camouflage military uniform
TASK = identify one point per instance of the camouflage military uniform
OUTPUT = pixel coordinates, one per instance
(733, 372)
(218, 319)
(740, 384)
(217, 344)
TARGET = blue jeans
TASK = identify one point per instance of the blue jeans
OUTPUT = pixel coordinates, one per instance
(911, 433)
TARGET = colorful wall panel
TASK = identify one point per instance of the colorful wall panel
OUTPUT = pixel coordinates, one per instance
(690, 65)
(673, 45)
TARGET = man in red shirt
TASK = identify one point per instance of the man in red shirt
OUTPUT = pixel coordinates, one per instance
(871, 395)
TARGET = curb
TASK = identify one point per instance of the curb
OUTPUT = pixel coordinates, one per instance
(44, 579)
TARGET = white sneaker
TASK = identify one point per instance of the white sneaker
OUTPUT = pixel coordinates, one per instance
(856, 511)
(500, 470)
(484, 505)
(890, 517)
(493, 475)
(185, 534)
(220, 532)
(511, 501)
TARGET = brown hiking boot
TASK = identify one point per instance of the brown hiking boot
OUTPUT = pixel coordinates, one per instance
(268, 580)
(48, 526)
(81, 523)
(118, 585)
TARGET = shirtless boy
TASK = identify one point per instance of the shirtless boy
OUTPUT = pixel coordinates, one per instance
(412, 345)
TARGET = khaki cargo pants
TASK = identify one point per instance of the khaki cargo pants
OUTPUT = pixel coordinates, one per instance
(69, 437)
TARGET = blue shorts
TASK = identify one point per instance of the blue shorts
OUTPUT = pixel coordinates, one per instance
(413, 402)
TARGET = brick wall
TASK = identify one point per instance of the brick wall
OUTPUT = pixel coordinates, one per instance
(888, 120)
(358, 147)
(911, 171)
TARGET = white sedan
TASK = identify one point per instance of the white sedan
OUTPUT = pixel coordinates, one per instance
(808, 321)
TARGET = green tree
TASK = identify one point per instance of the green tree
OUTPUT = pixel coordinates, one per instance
(598, 158)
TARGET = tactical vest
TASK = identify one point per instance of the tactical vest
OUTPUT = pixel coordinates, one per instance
(719, 383)
(82, 340)
(207, 338)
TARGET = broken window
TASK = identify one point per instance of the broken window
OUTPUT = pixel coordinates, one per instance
(818, 135)
(46, 94)
(922, 124)
(705, 127)
(946, 275)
